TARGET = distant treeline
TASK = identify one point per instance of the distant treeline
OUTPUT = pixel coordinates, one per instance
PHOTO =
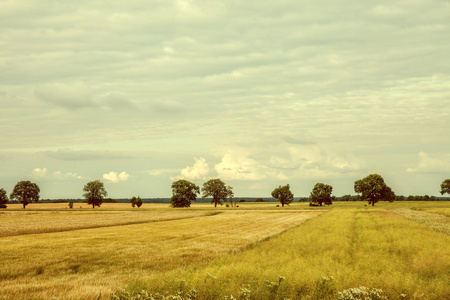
(249, 199)
(397, 198)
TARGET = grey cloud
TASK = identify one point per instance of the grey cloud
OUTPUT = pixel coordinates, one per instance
(69, 95)
(296, 140)
(199, 75)
(83, 155)
(116, 101)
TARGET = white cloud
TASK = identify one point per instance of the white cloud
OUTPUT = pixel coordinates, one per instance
(313, 161)
(429, 164)
(199, 170)
(115, 177)
(39, 173)
(60, 174)
(154, 172)
(235, 165)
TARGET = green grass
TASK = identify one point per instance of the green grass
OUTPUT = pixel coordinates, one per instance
(251, 252)
(355, 247)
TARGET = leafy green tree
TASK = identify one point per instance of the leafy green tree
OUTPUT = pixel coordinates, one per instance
(373, 189)
(183, 193)
(25, 192)
(133, 201)
(283, 194)
(94, 193)
(138, 202)
(321, 193)
(445, 187)
(3, 198)
(218, 190)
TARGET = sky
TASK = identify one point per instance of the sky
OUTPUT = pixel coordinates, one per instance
(139, 94)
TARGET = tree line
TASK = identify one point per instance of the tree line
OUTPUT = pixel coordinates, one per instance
(371, 189)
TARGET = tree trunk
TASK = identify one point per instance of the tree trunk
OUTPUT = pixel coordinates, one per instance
(373, 203)
(23, 203)
(93, 205)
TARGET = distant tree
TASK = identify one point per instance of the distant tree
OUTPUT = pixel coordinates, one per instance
(25, 192)
(400, 198)
(3, 198)
(217, 189)
(445, 187)
(133, 201)
(373, 189)
(94, 193)
(183, 193)
(259, 200)
(110, 200)
(71, 204)
(321, 193)
(138, 202)
(283, 194)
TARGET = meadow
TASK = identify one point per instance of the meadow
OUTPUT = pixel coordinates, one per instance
(256, 251)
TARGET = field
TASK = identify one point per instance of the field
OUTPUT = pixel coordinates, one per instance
(256, 251)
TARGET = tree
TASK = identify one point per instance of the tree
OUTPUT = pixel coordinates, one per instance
(138, 202)
(25, 192)
(218, 190)
(183, 193)
(373, 189)
(94, 193)
(3, 198)
(133, 201)
(283, 194)
(321, 193)
(445, 187)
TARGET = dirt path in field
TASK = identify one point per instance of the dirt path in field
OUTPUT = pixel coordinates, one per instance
(436, 221)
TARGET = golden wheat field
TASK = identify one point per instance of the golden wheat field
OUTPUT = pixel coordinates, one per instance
(56, 254)
(256, 251)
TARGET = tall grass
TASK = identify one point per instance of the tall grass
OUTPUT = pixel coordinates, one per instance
(342, 249)
(91, 263)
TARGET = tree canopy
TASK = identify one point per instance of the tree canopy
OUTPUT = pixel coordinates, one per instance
(94, 193)
(283, 194)
(217, 189)
(183, 193)
(321, 193)
(3, 198)
(25, 192)
(445, 187)
(136, 201)
(373, 189)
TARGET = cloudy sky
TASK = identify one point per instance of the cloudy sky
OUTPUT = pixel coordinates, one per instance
(258, 93)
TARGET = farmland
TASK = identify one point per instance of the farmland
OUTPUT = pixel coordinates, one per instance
(256, 251)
